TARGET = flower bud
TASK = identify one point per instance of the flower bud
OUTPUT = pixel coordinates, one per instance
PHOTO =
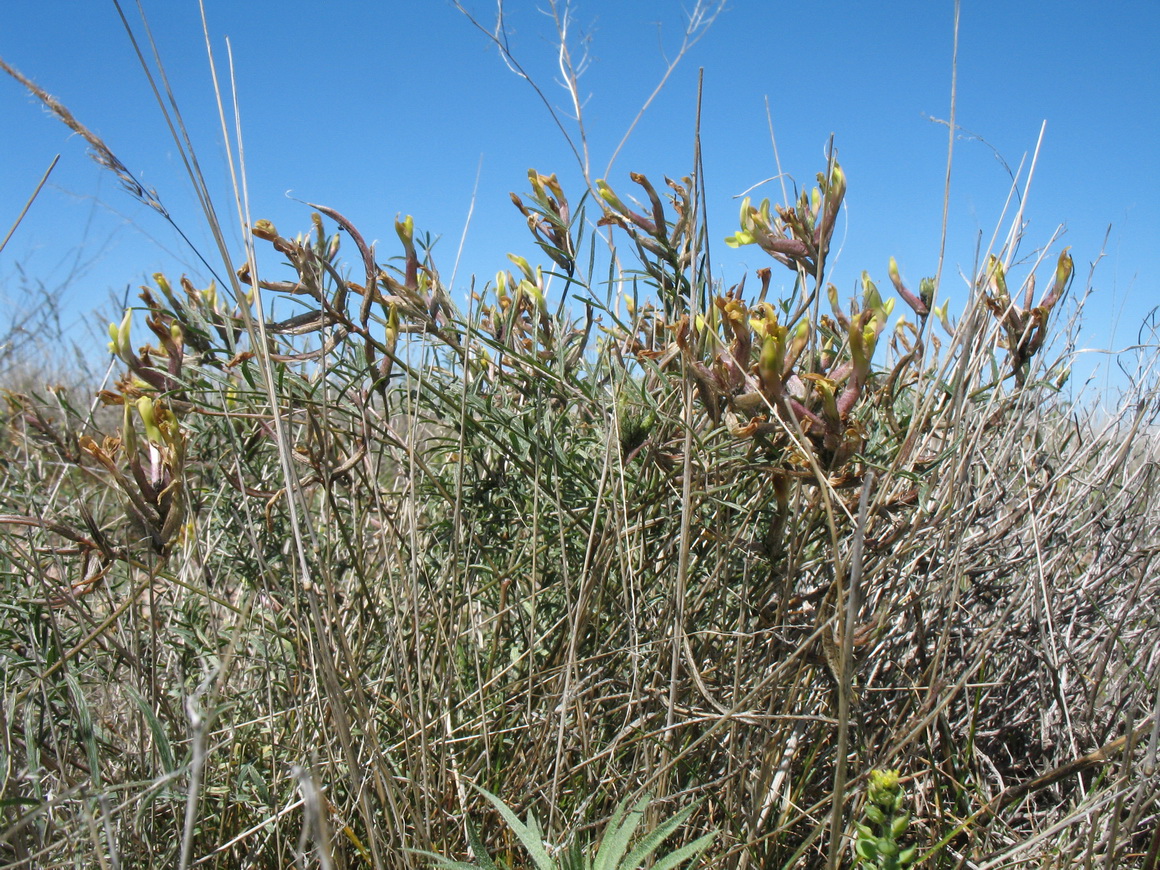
(887, 847)
(608, 196)
(941, 313)
(535, 180)
(392, 326)
(525, 267)
(120, 345)
(998, 279)
(867, 849)
(870, 294)
(769, 365)
(837, 181)
(163, 283)
(264, 229)
(406, 231)
(149, 418)
(926, 291)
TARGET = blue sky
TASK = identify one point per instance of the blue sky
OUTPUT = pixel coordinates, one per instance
(379, 109)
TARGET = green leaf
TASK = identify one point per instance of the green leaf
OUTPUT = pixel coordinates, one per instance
(617, 835)
(529, 834)
(686, 852)
(573, 858)
(84, 727)
(160, 738)
(478, 849)
(485, 862)
(440, 861)
(653, 839)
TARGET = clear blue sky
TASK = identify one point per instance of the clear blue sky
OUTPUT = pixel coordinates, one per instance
(378, 109)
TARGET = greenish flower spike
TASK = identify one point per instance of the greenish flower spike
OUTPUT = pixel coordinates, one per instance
(878, 845)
